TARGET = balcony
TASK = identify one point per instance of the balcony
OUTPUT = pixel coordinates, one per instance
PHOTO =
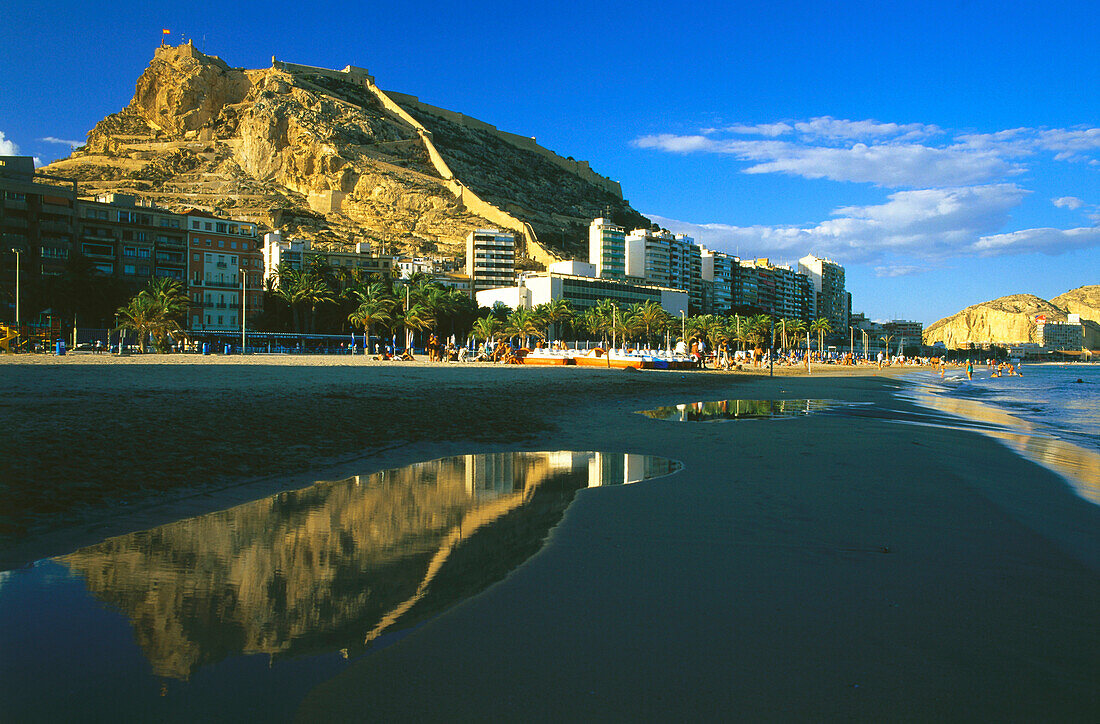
(61, 226)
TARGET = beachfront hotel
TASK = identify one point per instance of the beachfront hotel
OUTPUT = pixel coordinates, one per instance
(577, 283)
(490, 259)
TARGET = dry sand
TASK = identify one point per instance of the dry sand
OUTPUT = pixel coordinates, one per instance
(818, 568)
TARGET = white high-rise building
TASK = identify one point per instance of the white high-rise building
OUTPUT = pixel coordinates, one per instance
(607, 249)
(829, 298)
(647, 254)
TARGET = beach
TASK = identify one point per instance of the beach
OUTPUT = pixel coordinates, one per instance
(825, 567)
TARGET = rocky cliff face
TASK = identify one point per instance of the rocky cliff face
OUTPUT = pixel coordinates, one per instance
(1012, 318)
(326, 155)
(1082, 300)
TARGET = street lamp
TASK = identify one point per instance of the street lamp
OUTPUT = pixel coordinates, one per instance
(852, 342)
(18, 259)
(244, 290)
(683, 326)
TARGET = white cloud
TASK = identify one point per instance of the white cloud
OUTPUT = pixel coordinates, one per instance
(62, 141)
(892, 155)
(890, 165)
(7, 148)
(899, 270)
(910, 230)
(770, 130)
(1068, 202)
(1046, 241)
(827, 127)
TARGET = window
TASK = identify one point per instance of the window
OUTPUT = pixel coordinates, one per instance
(104, 268)
(221, 243)
(232, 228)
(127, 216)
(207, 226)
(129, 269)
(209, 257)
(198, 257)
(232, 245)
(221, 227)
(221, 319)
(194, 225)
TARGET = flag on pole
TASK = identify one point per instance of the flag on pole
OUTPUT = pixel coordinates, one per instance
(166, 31)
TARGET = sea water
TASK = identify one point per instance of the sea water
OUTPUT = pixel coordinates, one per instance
(1050, 414)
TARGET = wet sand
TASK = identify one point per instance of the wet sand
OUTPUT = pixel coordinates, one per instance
(818, 568)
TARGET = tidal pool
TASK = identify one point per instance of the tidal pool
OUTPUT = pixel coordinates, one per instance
(238, 614)
(737, 410)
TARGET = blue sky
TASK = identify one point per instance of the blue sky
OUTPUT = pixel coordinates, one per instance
(945, 152)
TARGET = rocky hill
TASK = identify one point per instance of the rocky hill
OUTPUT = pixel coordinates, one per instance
(1012, 318)
(329, 156)
(1082, 300)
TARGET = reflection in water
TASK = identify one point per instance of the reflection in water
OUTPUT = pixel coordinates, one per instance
(1078, 465)
(333, 566)
(737, 410)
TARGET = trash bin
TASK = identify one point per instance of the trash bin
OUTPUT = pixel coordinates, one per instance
(206, 348)
(60, 348)
(228, 349)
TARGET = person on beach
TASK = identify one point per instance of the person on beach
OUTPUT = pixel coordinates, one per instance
(969, 370)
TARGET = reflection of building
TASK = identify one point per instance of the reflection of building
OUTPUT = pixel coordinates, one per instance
(333, 565)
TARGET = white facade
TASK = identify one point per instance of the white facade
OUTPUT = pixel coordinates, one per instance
(607, 249)
(647, 256)
(277, 250)
(582, 293)
(221, 289)
(575, 268)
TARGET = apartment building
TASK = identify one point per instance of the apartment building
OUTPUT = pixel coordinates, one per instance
(37, 218)
(904, 332)
(490, 259)
(223, 254)
(830, 300)
(720, 272)
(607, 249)
(131, 239)
(1068, 335)
(647, 256)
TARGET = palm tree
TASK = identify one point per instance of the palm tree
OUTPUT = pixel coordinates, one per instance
(791, 330)
(156, 310)
(650, 316)
(821, 327)
(758, 330)
(557, 312)
(418, 317)
(523, 323)
(886, 339)
(369, 311)
(486, 328)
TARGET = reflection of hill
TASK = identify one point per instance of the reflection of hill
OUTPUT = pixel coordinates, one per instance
(326, 567)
